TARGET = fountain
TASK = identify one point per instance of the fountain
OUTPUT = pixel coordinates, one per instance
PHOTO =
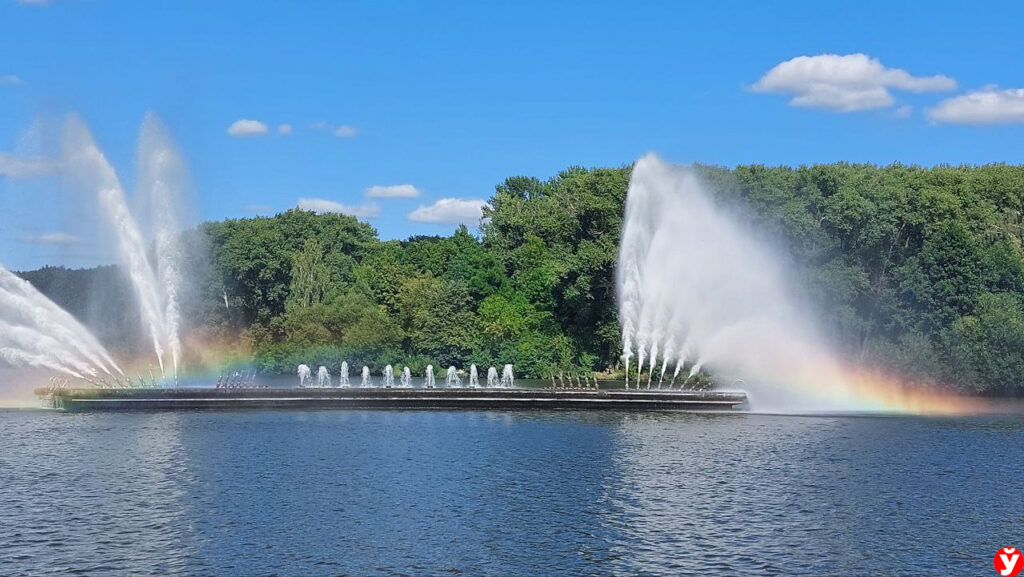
(155, 289)
(507, 379)
(452, 379)
(343, 376)
(367, 380)
(323, 378)
(697, 287)
(305, 376)
(474, 379)
(429, 379)
(492, 378)
(35, 332)
(389, 377)
(161, 180)
(406, 380)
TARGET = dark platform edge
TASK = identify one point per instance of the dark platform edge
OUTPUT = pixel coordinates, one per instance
(78, 400)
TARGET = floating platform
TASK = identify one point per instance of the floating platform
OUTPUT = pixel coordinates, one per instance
(78, 400)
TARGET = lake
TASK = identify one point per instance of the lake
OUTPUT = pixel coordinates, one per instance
(506, 493)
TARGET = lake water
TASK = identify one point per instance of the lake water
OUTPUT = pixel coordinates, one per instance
(505, 493)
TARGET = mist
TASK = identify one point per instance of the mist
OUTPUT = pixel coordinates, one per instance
(698, 289)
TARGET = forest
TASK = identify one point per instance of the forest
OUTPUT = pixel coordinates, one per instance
(916, 270)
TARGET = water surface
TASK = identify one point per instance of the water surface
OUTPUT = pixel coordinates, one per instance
(505, 493)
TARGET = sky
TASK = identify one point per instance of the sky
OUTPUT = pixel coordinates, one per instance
(407, 114)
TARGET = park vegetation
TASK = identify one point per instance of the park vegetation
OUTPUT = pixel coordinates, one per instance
(917, 270)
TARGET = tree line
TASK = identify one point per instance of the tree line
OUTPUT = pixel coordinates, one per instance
(918, 270)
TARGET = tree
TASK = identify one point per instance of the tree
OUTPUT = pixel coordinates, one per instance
(309, 276)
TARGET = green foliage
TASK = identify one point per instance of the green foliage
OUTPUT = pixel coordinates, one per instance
(919, 270)
(310, 278)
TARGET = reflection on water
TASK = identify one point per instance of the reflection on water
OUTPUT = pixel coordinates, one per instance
(492, 493)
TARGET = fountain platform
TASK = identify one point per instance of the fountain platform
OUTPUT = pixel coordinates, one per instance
(188, 399)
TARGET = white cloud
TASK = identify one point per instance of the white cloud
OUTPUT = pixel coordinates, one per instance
(10, 80)
(246, 127)
(259, 209)
(51, 238)
(25, 166)
(904, 111)
(990, 105)
(323, 205)
(844, 83)
(284, 128)
(345, 131)
(393, 191)
(450, 211)
(341, 130)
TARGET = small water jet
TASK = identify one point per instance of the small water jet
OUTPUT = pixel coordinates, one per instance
(406, 379)
(507, 378)
(343, 376)
(389, 377)
(305, 376)
(367, 379)
(428, 381)
(474, 378)
(492, 378)
(323, 377)
(452, 379)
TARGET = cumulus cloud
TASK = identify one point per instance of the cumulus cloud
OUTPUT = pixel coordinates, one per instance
(341, 130)
(51, 238)
(259, 209)
(345, 131)
(25, 166)
(323, 205)
(844, 83)
(393, 191)
(450, 211)
(284, 128)
(247, 127)
(10, 80)
(990, 105)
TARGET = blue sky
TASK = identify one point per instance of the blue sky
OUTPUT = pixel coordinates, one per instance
(452, 97)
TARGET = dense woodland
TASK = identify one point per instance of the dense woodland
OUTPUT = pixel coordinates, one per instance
(917, 270)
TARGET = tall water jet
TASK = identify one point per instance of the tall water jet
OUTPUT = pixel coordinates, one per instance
(161, 180)
(474, 378)
(305, 376)
(428, 380)
(492, 378)
(85, 162)
(694, 370)
(452, 379)
(406, 378)
(679, 367)
(35, 332)
(343, 375)
(367, 379)
(323, 377)
(389, 377)
(691, 272)
(507, 378)
(654, 361)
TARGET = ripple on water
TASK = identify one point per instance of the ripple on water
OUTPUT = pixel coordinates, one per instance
(378, 493)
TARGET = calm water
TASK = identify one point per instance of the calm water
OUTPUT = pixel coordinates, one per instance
(436, 493)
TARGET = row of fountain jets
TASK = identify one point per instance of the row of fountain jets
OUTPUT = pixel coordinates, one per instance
(452, 380)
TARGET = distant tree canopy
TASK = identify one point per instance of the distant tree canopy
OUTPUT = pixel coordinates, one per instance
(917, 269)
